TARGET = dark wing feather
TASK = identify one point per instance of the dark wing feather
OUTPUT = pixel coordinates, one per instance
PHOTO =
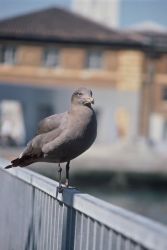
(49, 129)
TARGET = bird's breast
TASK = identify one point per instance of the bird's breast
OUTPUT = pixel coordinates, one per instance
(82, 135)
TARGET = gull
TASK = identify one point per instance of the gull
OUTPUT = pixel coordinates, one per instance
(63, 137)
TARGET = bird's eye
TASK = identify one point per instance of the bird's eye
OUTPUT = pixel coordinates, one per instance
(79, 94)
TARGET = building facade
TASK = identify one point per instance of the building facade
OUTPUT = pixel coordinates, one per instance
(154, 88)
(46, 54)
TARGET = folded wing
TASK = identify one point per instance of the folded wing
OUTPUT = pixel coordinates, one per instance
(51, 122)
(49, 129)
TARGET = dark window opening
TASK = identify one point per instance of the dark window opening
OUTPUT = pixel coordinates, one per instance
(51, 57)
(7, 55)
(94, 60)
(164, 93)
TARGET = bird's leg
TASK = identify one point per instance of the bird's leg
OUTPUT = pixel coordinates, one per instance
(59, 172)
(67, 173)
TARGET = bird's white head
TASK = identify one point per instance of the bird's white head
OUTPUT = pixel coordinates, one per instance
(82, 96)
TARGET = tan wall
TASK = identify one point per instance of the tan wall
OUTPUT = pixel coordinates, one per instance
(29, 55)
(29, 67)
(122, 69)
(161, 64)
(130, 70)
(152, 93)
(110, 60)
(72, 58)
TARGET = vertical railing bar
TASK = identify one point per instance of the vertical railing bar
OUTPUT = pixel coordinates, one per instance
(43, 225)
(28, 190)
(44, 217)
(75, 242)
(138, 247)
(118, 242)
(102, 237)
(51, 224)
(94, 235)
(20, 224)
(127, 244)
(34, 216)
(61, 225)
(41, 231)
(70, 221)
(87, 235)
(38, 229)
(41, 213)
(54, 224)
(48, 220)
(81, 232)
(32, 195)
(72, 227)
(58, 225)
(24, 217)
(110, 238)
(39, 218)
(63, 211)
(60, 221)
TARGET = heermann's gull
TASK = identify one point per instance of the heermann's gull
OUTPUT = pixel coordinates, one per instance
(63, 137)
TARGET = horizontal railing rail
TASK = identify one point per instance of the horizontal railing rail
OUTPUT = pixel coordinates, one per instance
(33, 215)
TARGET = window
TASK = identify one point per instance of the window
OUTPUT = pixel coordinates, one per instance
(94, 60)
(51, 57)
(164, 93)
(7, 54)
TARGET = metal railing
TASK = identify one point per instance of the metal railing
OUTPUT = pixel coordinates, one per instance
(34, 216)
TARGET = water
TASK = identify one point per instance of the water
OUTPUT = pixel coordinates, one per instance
(152, 204)
(145, 197)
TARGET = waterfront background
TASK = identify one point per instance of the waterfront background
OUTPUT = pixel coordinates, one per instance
(46, 52)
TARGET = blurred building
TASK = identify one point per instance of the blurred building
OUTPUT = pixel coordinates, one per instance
(12, 130)
(46, 54)
(154, 88)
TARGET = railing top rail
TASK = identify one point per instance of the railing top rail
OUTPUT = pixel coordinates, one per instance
(138, 228)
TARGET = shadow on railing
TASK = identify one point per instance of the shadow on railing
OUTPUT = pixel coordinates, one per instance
(33, 215)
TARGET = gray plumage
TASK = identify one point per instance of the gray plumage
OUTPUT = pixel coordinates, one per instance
(63, 137)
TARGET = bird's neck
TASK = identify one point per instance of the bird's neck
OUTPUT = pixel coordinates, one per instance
(81, 109)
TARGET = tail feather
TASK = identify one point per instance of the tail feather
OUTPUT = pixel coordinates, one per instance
(16, 162)
(9, 166)
(21, 162)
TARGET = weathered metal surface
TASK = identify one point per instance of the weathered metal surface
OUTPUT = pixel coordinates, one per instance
(34, 216)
